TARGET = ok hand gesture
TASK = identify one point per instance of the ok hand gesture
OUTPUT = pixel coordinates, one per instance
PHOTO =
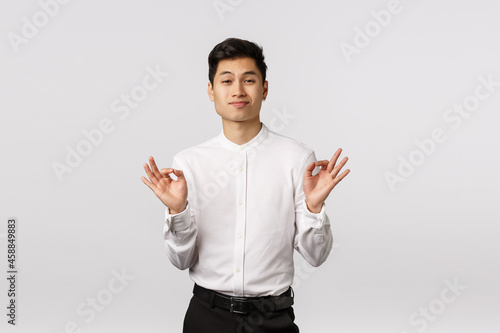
(318, 187)
(173, 193)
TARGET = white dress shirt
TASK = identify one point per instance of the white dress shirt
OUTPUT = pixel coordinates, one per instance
(245, 215)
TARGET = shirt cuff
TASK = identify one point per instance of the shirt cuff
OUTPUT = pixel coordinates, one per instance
(179, 221)
(316, 220)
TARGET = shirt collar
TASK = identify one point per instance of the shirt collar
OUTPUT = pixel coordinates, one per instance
(254, 142)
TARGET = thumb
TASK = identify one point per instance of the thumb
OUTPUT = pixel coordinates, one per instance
(179, 173)
(309, 169)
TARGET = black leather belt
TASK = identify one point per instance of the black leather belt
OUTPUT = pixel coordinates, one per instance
(244, 305)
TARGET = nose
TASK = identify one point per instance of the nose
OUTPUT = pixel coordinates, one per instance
(238, 89)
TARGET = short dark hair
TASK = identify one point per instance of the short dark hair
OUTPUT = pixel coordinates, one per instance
(236, 48)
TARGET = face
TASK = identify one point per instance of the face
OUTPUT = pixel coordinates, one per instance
(238, 91)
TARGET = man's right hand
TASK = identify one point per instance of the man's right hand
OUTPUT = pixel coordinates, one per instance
(173, 193)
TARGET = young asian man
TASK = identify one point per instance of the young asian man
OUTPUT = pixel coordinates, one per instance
(241, 203)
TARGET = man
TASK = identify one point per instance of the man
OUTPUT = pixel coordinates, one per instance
(240, 203)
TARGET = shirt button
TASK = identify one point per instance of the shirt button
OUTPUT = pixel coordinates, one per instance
(239, 236)
(241, 169)
(241, 202)
(241, 148)
(237, 270)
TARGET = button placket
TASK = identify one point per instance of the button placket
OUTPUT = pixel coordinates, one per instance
(239, 246)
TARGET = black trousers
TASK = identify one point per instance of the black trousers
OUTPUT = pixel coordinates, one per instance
(201, 318)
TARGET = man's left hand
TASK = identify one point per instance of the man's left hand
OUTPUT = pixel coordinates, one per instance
(318, 187)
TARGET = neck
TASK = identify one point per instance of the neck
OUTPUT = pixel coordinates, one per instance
(240, 132)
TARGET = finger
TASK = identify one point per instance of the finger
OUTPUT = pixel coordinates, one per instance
(336, 170)
(165, 172)
(333, 160)
(341, 176)
(323, 164)
(155, 168)
(150, 174)
(309, 169)
(148, 183)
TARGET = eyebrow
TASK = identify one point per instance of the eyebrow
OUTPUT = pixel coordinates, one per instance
(246, 73)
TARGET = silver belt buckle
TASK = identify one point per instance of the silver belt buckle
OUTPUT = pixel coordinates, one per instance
(231, 304)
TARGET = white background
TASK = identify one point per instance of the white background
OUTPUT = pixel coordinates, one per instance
(394, 248)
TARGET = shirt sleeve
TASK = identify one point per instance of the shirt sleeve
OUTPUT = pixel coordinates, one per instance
(180, 231)
(313, 235)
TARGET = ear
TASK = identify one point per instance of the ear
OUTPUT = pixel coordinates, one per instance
(265, 90)
(210, 91)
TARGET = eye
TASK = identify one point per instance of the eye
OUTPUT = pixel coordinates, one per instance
(226, 81)
(250, 80)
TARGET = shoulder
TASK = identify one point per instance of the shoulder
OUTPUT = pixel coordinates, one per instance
(192, 153)
(290, 146)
